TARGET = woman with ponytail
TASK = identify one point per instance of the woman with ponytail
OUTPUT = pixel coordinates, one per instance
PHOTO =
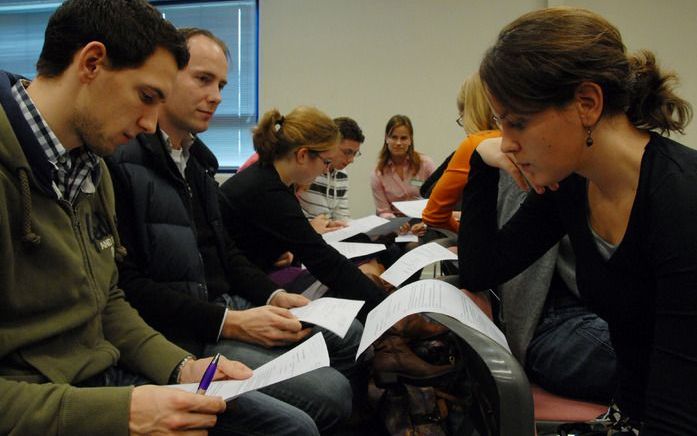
(262, 213)
(582, 122)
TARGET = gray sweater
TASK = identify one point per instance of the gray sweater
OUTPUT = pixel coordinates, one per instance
(523, 297)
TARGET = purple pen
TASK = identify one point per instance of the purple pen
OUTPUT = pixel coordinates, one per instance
(208, 375)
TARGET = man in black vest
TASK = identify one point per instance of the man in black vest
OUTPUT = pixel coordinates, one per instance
(184, 274)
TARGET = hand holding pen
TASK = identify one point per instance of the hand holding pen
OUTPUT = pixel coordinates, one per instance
(152, 407)
(226, 369)
(208, 375)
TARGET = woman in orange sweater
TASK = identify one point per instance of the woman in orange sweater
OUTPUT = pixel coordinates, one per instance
(476, 118)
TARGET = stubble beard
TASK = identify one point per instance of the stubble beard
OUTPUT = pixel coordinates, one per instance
(91, 133)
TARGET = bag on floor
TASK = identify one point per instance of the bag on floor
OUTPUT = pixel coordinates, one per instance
(439, 409)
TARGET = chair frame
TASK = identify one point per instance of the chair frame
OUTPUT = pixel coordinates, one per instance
(501, 383)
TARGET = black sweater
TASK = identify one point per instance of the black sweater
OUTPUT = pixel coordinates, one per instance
(264, 218)
(647, 290)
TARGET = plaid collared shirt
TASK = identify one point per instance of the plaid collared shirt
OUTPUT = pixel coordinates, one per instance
(74, 171)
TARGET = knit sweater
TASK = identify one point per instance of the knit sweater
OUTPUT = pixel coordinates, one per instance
(446, 193)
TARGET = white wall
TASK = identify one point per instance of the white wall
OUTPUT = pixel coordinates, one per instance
(667, 28)
(371, 59)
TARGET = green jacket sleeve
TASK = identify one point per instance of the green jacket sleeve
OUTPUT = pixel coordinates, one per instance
(59, 409)
(143, 350)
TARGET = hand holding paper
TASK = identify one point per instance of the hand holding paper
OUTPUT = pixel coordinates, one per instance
(309, 355)
(334, 314)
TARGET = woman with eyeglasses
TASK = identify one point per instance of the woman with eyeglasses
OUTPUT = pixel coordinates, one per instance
(401, 170)
(585, 119)
(262, 213)
(540, 307)
(476, 119)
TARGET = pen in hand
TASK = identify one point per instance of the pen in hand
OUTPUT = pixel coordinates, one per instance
(208, 375)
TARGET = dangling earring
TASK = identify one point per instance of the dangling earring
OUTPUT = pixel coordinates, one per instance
(589, 138)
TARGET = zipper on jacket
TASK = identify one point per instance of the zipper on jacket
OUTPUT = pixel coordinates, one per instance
(77, 228)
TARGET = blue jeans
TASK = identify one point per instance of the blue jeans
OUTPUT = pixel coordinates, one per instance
(252, 413)
(571, 354)
(325, 393)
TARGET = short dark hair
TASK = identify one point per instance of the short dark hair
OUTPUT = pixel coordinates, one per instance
(349, 129)
(190, 32)
(131, 30)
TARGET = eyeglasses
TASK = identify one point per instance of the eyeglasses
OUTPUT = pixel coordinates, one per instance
(350, 153)
(498, 119)
(326, 161)
(459, 121)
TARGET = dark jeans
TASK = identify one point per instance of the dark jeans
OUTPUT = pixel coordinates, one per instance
(253, 413)
(325, 393)
(571, 354)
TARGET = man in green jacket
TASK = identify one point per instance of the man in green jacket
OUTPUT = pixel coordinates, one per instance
(67, 336)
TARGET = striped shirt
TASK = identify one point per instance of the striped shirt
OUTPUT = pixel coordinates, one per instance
(328, 195)
(74, 171)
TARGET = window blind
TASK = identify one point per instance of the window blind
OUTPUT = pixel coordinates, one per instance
(22, 26)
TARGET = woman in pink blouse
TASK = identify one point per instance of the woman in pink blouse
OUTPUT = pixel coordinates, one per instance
(401, 170)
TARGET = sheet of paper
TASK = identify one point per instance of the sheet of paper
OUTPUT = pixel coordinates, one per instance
(409, 237)
(315, 291)
(309, 355)
(414, 260)
(351, 250)
(428, 295)
(334, 314)
(412, 208)
(392, 226)
(360, 225)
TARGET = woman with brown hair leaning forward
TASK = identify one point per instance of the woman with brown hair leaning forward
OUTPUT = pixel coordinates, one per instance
(582, 117)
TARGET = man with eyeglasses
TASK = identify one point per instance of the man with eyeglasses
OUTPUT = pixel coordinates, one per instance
(326, 199)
